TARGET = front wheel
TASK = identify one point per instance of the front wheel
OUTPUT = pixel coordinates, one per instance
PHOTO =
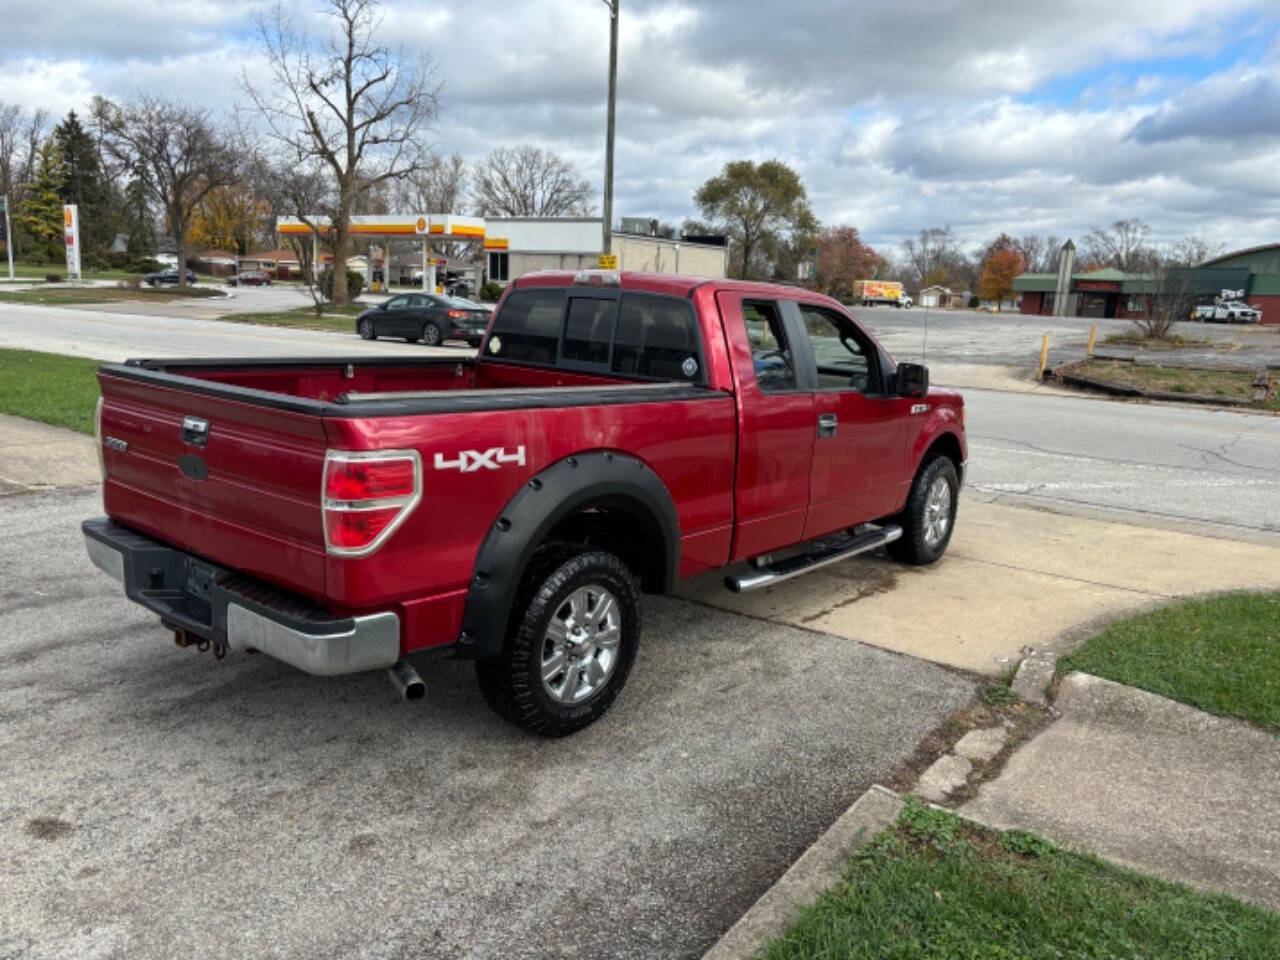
(365, 329)
(930, 513)
(574, 633)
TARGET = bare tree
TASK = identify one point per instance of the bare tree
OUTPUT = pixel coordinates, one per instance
(304, 191)
(183, 153)
(1122, 246)
(933, 255)
(354, 104)
(441, 186)
(20, 140)
(1040, 252)
(527, 181)
(1171, 285)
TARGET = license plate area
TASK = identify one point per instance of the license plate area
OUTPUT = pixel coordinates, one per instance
(199, 581)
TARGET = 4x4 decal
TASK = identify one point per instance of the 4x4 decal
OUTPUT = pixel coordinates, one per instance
(469, 461)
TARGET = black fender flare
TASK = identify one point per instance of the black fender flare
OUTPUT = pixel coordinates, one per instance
(618, 480)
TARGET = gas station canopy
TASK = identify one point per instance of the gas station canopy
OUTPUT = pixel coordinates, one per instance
(420, 226)
(430, 226)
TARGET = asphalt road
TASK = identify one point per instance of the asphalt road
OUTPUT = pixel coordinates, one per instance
(1165, 463)
(970, 336)
(178, 329)
(156, 803)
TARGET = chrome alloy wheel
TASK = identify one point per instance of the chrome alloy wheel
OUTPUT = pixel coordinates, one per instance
(937, 512)
(580, 647)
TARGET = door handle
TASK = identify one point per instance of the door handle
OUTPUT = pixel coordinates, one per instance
(827, 424)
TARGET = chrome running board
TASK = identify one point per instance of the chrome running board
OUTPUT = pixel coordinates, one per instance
(821, 556)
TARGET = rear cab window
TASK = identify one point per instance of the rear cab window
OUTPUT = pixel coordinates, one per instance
(632, 334)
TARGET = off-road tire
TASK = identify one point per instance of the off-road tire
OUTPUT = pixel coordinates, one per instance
(366, 330)
(913, 547)
(511, 682)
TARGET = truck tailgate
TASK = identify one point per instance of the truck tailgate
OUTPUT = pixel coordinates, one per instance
(247, 497)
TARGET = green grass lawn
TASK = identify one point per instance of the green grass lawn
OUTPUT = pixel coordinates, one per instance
(28, 271)
(339, 318)
(57, 294)
(937, 886)
(49, 387)
(1220, 654)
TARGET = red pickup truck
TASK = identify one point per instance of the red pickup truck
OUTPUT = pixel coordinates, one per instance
(616, 432)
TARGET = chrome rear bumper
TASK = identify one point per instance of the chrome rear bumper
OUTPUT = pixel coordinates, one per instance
(237, 612)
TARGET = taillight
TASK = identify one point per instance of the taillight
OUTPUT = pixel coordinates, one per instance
(455, 314)
(366, 496)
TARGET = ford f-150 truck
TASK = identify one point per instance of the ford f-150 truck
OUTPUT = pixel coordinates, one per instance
(616, 432)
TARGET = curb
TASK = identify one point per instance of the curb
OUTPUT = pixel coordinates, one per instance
(1120, 390)
(818, 868)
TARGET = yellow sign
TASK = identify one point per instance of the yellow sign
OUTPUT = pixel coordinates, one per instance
(607, 261)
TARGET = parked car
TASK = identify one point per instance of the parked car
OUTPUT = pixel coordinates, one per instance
(615, 433)
(170, 275)
(249, 278)
(1233, 311)
(429, 317)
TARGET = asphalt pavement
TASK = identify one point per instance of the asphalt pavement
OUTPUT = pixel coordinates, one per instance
(157, 803)
(1166, 463)
(185, 329)
(973, 336)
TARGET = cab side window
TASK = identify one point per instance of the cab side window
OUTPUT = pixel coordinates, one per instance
(527, 327)
(846, 357)
(771, 356)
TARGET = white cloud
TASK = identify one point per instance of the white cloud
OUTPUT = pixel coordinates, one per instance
(898, 115)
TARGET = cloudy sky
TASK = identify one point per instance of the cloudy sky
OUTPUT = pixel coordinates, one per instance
(986, 115)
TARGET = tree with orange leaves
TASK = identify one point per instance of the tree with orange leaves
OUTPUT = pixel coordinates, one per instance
(998, 273)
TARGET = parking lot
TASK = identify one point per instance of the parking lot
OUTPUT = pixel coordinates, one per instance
(158, 802)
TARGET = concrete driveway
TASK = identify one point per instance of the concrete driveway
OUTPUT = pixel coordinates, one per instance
(156, 803)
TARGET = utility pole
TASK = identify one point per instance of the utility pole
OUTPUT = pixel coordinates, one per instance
(608, 144)
(8, 235)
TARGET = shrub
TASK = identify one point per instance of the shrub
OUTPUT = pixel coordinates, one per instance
(355, 283)
(53, 278)
(491, 292)
(974, 303)
(130, 283)
(95, 261)
(145, 265)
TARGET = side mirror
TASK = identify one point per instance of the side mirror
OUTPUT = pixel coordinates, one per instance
(913, 380)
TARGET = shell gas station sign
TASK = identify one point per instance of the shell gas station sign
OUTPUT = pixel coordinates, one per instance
(71, 233)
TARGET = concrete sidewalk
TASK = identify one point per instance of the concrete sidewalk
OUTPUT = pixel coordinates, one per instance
(1013, 579)
(36, 456)
(1151, 784)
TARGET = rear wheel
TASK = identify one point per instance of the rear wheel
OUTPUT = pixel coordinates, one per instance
(574, 634)
(930, 513)
(365, 329)
(431, 334)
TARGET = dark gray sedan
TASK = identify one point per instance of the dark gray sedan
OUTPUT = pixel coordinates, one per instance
(428, 317)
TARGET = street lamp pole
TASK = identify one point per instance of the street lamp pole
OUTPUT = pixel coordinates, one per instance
(608, 145)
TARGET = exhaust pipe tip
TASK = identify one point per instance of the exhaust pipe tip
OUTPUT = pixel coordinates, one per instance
(406, 680)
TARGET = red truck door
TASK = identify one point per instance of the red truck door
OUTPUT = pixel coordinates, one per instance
(859, 456)
(775, 425)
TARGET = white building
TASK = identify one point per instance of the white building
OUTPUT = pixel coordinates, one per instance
(515, 246)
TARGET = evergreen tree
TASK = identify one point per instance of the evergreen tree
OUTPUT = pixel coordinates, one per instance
(83, 183)
(39, 217)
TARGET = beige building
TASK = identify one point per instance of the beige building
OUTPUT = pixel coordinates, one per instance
(515, 246)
